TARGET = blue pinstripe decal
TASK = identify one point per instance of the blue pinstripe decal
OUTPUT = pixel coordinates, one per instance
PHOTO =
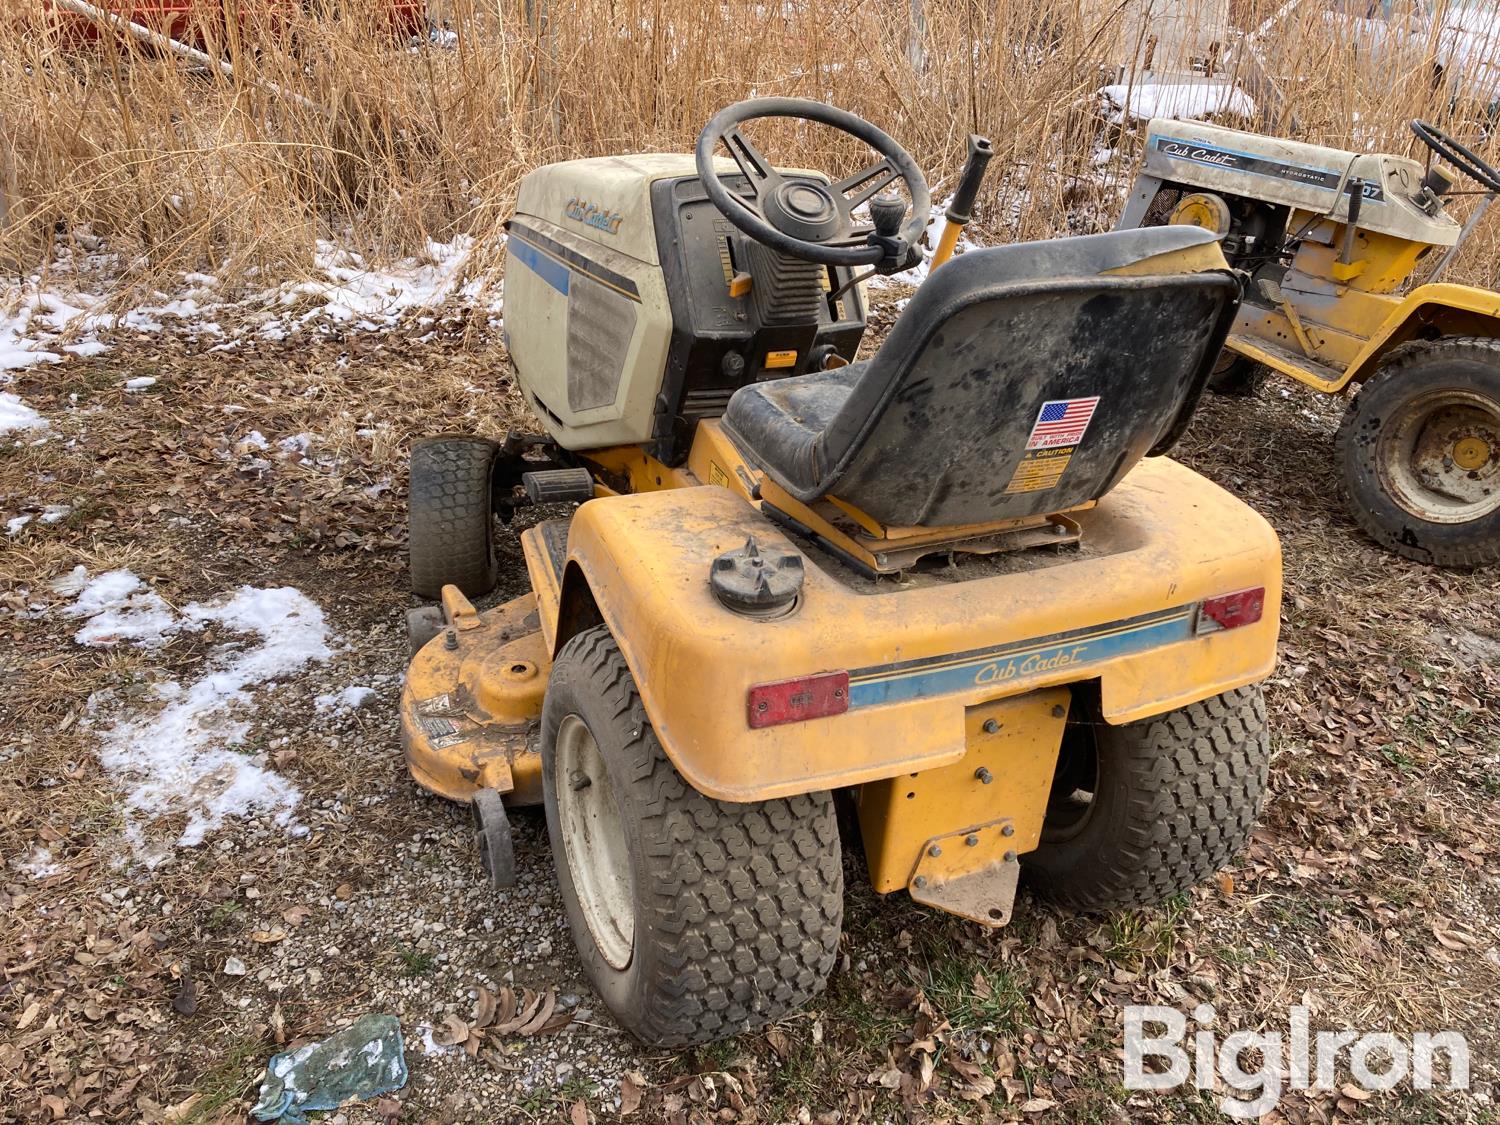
(870, 687)
(553, 272)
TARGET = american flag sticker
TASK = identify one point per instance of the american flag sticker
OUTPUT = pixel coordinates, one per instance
(1062, 422)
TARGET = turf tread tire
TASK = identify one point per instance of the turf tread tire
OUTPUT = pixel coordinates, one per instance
(1472, 544)
(1181, 792)
(451, 527)
(738, 906)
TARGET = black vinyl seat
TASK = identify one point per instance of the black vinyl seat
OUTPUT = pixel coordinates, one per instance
(1019, 381)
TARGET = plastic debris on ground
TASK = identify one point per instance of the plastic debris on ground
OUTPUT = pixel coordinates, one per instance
(363, 1061)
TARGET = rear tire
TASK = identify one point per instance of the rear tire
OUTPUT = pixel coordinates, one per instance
(1169, 800)
(451, 537)
(695, 919)
(1419, 450)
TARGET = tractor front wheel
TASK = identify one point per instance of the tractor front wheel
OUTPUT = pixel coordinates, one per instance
(1144, 810)
(451, 538)
(1420, 452)
(1236, 375)
(695, 919)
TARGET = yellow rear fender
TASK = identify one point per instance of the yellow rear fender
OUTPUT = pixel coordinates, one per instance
(917, 657)
(1446, 310)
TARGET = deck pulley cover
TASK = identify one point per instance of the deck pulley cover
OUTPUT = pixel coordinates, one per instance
(755, 582)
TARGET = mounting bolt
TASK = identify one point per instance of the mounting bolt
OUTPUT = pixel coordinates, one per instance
(991, 727)
(579, 780)
(919, 882)
(450, 639)
(1010, 857)
(984, 775)
(1059, 529)
(881, 560)
(1007, 830)
(1059, 711)
(934, 851)
(971, 841)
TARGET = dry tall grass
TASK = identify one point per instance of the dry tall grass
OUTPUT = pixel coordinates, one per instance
(178, 170)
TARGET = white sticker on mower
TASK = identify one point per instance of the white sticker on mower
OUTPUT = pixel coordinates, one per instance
(437, 718)
(1062, 422)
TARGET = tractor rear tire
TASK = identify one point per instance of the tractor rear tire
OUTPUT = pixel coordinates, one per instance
(695, 919)
(451, 538)
(1419, 450)
(1144, 810)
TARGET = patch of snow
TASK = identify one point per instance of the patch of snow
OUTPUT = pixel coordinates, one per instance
(39, 865)
(297, 444)
(350, 699)
(1185, 101)
(14, 526)
(15, 414)
(56, 513)
(253, 440)
(140, 383)
(184, 758)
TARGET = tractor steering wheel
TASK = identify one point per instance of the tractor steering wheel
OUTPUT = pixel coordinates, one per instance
(807, 219)
(1460, 156)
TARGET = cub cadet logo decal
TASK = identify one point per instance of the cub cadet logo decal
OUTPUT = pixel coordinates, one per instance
(1000, 671)
(1037, 658)
(590, 215)
(1257, 165)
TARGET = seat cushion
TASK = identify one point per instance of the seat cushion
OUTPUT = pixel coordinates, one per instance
(783, 420)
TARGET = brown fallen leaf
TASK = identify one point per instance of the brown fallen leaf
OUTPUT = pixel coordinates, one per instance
(1037, 1105)
(268, 937)
(982, 987)
(1226, 883)
(452, 1032)
(579, 1114)
(527, 1008)
(780, 1042)
(55, 1105)
(543, 1014)
(278, 1024)
(296, 915)
(484, 1008)
(633, 1086)
(343, 891)
(28, 1017)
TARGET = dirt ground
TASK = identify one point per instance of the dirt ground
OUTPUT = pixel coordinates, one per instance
(1371, 892)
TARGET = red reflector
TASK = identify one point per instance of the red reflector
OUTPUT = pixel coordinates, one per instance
(791, 701)
(1230, 611)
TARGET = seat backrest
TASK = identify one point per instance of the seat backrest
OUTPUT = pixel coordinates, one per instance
(1029, 379)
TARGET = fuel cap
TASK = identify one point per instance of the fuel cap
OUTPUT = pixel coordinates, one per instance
(755, 582)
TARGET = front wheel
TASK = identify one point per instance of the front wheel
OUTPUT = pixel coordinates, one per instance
(1419, 448)
(695, 919)
(451, 537)
(1144, 810)
(1236, 375)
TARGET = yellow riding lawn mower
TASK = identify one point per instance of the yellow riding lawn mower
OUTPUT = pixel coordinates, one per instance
(1332, 240)
(954, 589)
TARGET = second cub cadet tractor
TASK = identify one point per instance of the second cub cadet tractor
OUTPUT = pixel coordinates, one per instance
(954, 587)
(1332, 241)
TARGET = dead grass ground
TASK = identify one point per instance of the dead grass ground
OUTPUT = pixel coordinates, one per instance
(1370, 892)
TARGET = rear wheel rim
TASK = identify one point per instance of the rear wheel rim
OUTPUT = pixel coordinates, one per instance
(594, 842)
(1075, 785)
(1438, 457)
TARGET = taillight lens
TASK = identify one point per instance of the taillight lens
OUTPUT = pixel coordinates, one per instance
(792, 701)
(1230, 611)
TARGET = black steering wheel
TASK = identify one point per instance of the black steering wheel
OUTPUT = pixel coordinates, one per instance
(1460, 156)
(811, 220)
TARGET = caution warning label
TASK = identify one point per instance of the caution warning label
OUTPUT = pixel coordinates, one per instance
(1040, 469)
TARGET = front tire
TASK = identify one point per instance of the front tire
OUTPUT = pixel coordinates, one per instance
(1237, 376)
(451, 534)
(1419, 448)
(1144, 810)
(695, 919)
